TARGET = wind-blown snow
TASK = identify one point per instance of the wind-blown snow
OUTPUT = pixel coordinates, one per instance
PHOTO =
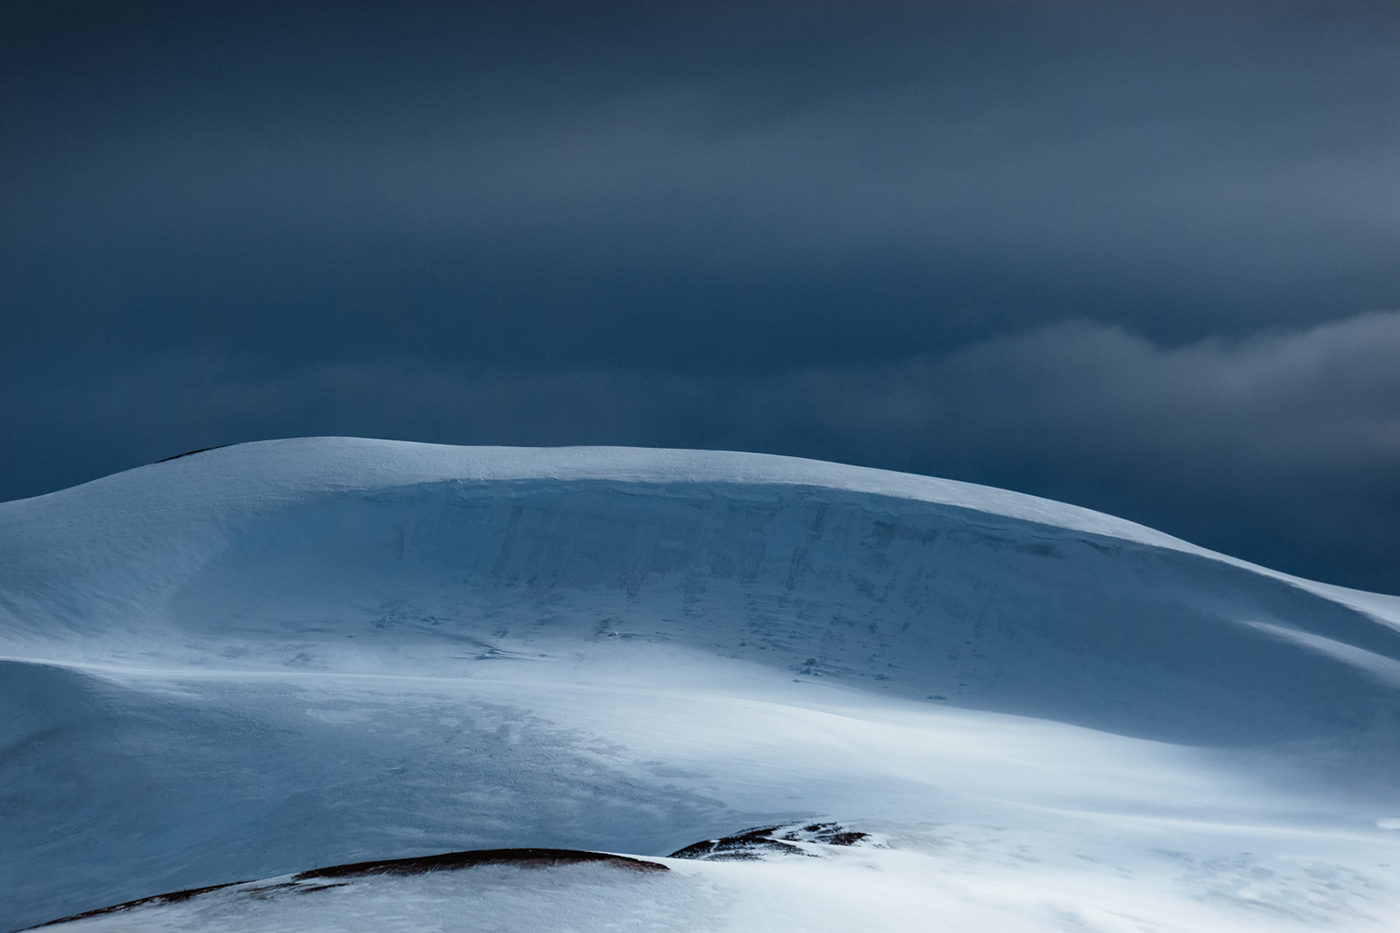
(264, 658)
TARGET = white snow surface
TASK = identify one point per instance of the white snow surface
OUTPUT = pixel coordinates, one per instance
(271, 657)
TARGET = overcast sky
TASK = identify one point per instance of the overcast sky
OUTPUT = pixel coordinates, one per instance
(1143, 257)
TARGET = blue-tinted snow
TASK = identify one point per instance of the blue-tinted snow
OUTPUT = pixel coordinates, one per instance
(274, 656)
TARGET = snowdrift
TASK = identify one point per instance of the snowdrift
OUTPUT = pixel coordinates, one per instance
(263, 658)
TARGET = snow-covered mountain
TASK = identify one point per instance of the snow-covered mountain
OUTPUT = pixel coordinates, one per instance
(266, 659)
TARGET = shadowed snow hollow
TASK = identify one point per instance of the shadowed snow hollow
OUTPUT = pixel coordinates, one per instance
(261, 658)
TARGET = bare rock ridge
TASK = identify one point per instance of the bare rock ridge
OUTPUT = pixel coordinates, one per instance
(453, 861)
(748, 845)
(447, 861)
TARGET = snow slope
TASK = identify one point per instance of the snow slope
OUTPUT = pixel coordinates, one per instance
(264, 658)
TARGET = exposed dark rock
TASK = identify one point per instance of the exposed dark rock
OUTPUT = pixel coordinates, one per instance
(174, 897)
(770, 840)
(447, 861)
(190, 453)
(453, 861)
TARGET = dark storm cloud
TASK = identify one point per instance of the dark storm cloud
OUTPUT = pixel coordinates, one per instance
(839, 230)
(806, 177)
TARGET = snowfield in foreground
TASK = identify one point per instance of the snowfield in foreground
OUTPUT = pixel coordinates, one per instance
(234, 668)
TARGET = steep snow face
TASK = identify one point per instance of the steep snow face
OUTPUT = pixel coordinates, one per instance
(263, 658)
(346, 555)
